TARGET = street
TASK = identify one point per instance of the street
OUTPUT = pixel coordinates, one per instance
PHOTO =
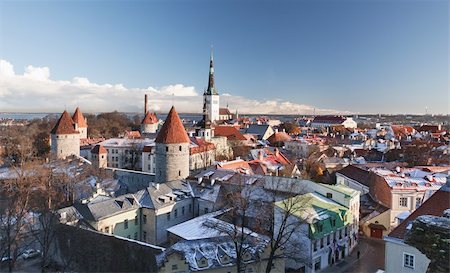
(371, 259)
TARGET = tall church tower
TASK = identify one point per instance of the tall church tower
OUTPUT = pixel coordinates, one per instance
(171, 150)
(211, 95)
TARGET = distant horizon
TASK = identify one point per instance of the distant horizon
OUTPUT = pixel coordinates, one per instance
(245, 114)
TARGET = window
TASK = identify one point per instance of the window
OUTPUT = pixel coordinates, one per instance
(144, 219)
(418, 202)
(319, 227)
(346, 231)
(340, 234)
(174, 267)
(180, 149)
(317, 264)
(408, 260)
(135, 235)
(328, 239)
(321, 242)
(333, 222)
(167, 149)
(128, 236)
(144, 236)
(403, 202)
(206, 210)
(190, 207)
(179, 173)
(176, 213)
(168, 216)
(125, 224)
(315, 245)
(182, 211)
(329, 195)
(106, 229)
(135, 220)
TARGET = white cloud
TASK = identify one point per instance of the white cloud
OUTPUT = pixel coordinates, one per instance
(6, 69)
(34, 91)
(37, 73)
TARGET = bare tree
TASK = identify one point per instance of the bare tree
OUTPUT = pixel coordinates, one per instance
(15, 199)
(266, 205)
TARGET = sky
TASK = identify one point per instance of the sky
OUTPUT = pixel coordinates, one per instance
(284, 57)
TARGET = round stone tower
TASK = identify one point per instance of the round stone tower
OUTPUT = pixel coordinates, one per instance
(65, 140)
(149, 124)
(172, 150)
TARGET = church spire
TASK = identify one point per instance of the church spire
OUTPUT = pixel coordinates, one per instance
(211, 87)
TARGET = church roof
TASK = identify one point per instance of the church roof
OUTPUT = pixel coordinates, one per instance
(64, 125)
(79, 118)
(172, 130)
(150, 118)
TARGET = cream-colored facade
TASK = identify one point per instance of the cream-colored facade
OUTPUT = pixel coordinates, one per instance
(398, 257)
(381, 219)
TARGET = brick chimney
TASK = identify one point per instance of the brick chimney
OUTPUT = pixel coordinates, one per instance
(145, 104)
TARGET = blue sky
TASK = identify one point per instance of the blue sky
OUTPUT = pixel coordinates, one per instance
(358, 56)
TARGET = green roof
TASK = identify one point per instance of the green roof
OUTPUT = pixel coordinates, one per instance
(322, 214)
(341, 188)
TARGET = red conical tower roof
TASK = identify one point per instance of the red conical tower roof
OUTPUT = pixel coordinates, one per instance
(79, 118)
(172, 130)
(150, 118)
(64, 126)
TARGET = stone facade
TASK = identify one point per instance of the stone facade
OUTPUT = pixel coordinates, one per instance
(149, 128)
(172, 162)
(82, 130)
(100, 160)
(64, 145)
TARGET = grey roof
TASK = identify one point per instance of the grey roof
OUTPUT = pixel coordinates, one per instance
(257, 129)
(153, 197)
(105, 208)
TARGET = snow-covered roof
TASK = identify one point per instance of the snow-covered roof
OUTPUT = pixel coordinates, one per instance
(411, 178)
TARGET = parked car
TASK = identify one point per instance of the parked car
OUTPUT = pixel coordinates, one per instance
(30, 253)
(4, 261)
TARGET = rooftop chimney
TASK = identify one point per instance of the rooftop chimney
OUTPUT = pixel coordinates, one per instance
(145, 104)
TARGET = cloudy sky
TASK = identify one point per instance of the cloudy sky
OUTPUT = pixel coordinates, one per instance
(271, 57)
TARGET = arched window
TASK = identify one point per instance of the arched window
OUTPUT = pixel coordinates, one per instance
(180, 148)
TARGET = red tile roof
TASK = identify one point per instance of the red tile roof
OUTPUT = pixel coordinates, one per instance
(279, 137)
(172, 130)
(402, 129)
(237, 165)
(428, 128)
(64, 125)
(224, 111)
(435, 205)
(91, 141)
(150, 118)
(147, 149)
(228, 131)
(98, 149)
(79, 118)
(132, 134)
(357, 174)
(329, 119)
(202, 146)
